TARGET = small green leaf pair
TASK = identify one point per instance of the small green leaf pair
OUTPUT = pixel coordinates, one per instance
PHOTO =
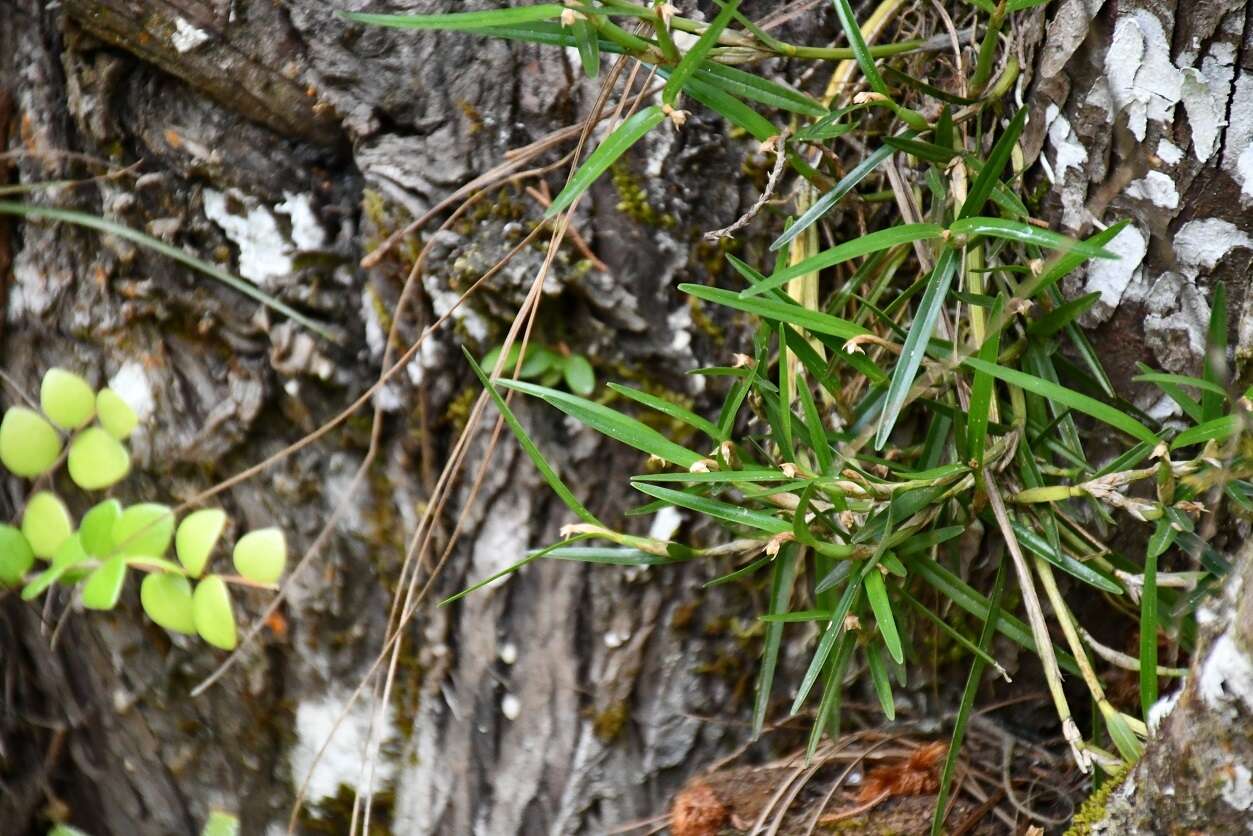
(30, 444)
(546, 365)
(169, 600)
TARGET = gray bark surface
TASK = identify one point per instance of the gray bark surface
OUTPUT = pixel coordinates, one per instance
(246, 113)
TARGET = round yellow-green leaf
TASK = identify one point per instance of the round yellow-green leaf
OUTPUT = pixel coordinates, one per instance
(96, 527)
(197, 534)
(46, 523)
(97, 460)
(16, 556)
(67, 399)
(104, 585)
(29, 445)
(261, 555)
(166, 598)
(144, 529)
(116, 415)
(211, 609)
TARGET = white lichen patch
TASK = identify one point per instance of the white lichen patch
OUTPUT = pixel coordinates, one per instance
(1110, 277)
(1237, 789)
(264, 253)
(1142, 80)
(1157, 188)
(132, 384)
(1238, 140)
(1068, 153)
(1225, 682)
(1203, 243)
(187, 37)
(1168, 152)
(1161, 710)
(349, 749)
(306, 232)
(1204, 93)
(443, 300)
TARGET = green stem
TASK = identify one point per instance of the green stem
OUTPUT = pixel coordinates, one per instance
(987, 50)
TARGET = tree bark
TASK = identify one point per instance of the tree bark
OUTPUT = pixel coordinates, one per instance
(283, 142)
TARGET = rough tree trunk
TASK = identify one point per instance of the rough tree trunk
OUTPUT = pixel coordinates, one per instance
(278, 139)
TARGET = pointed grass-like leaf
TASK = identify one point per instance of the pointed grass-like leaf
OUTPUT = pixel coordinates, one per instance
(879, 678)
(861, 52)
(144, 529)
(730, 108)
(838, 192)
(1066, 261)
(67, 399)
(1163, 537)
(46, 523)
(746, 85)
(29, 445)
(827, 718)
(545, 469)
(915, 347)
(116, 415)
(835, 628)
(715, 477)
(609, 422)
(969, 692)
(1216, 356)
(781, 579)
(813, 321)
(97, 460)
(672, 410)
(872, 242)
(1061, 316)
(1220, 429)
(212, 613)
(260, 556)
(16, 556)
(1066, 397)
(716, 508)
(1040, 546)
(877, 594)
(605, 155)
(699, 51)
(1181, 380)
(509, 570)
(589, 47)
(990, 173)
(578, 374)
(1024, 233)
(103, 587)
(156, 245)
(982, 391)
(462, 21)
(929, 151)
(196, 538)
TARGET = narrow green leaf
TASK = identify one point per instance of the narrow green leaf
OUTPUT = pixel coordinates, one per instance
(731, 109)
(462, 21)
(841, 189)
(697, 54)
(1182, 380)
(725, 511)
(877, 593)
(916, 343)
(671, 409)
(1067, 563)
(982, 390)
(813, 321)
(1219, 429)
(872, 242)
(742, 572)
(609, 422)
(1215, 356)
(879, 678)
(753, 87)
(1066, 261)
(1062, 315)
(1066, 397)
(861, 52)
(834, 629)
(156, 245)
(1025, 233)
(589, 47)
(546, 470)
(781, 579)
(969, 693)
(609, 150)
(611, 556)
(1163, 536)
(928, 151)
(985, 182)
